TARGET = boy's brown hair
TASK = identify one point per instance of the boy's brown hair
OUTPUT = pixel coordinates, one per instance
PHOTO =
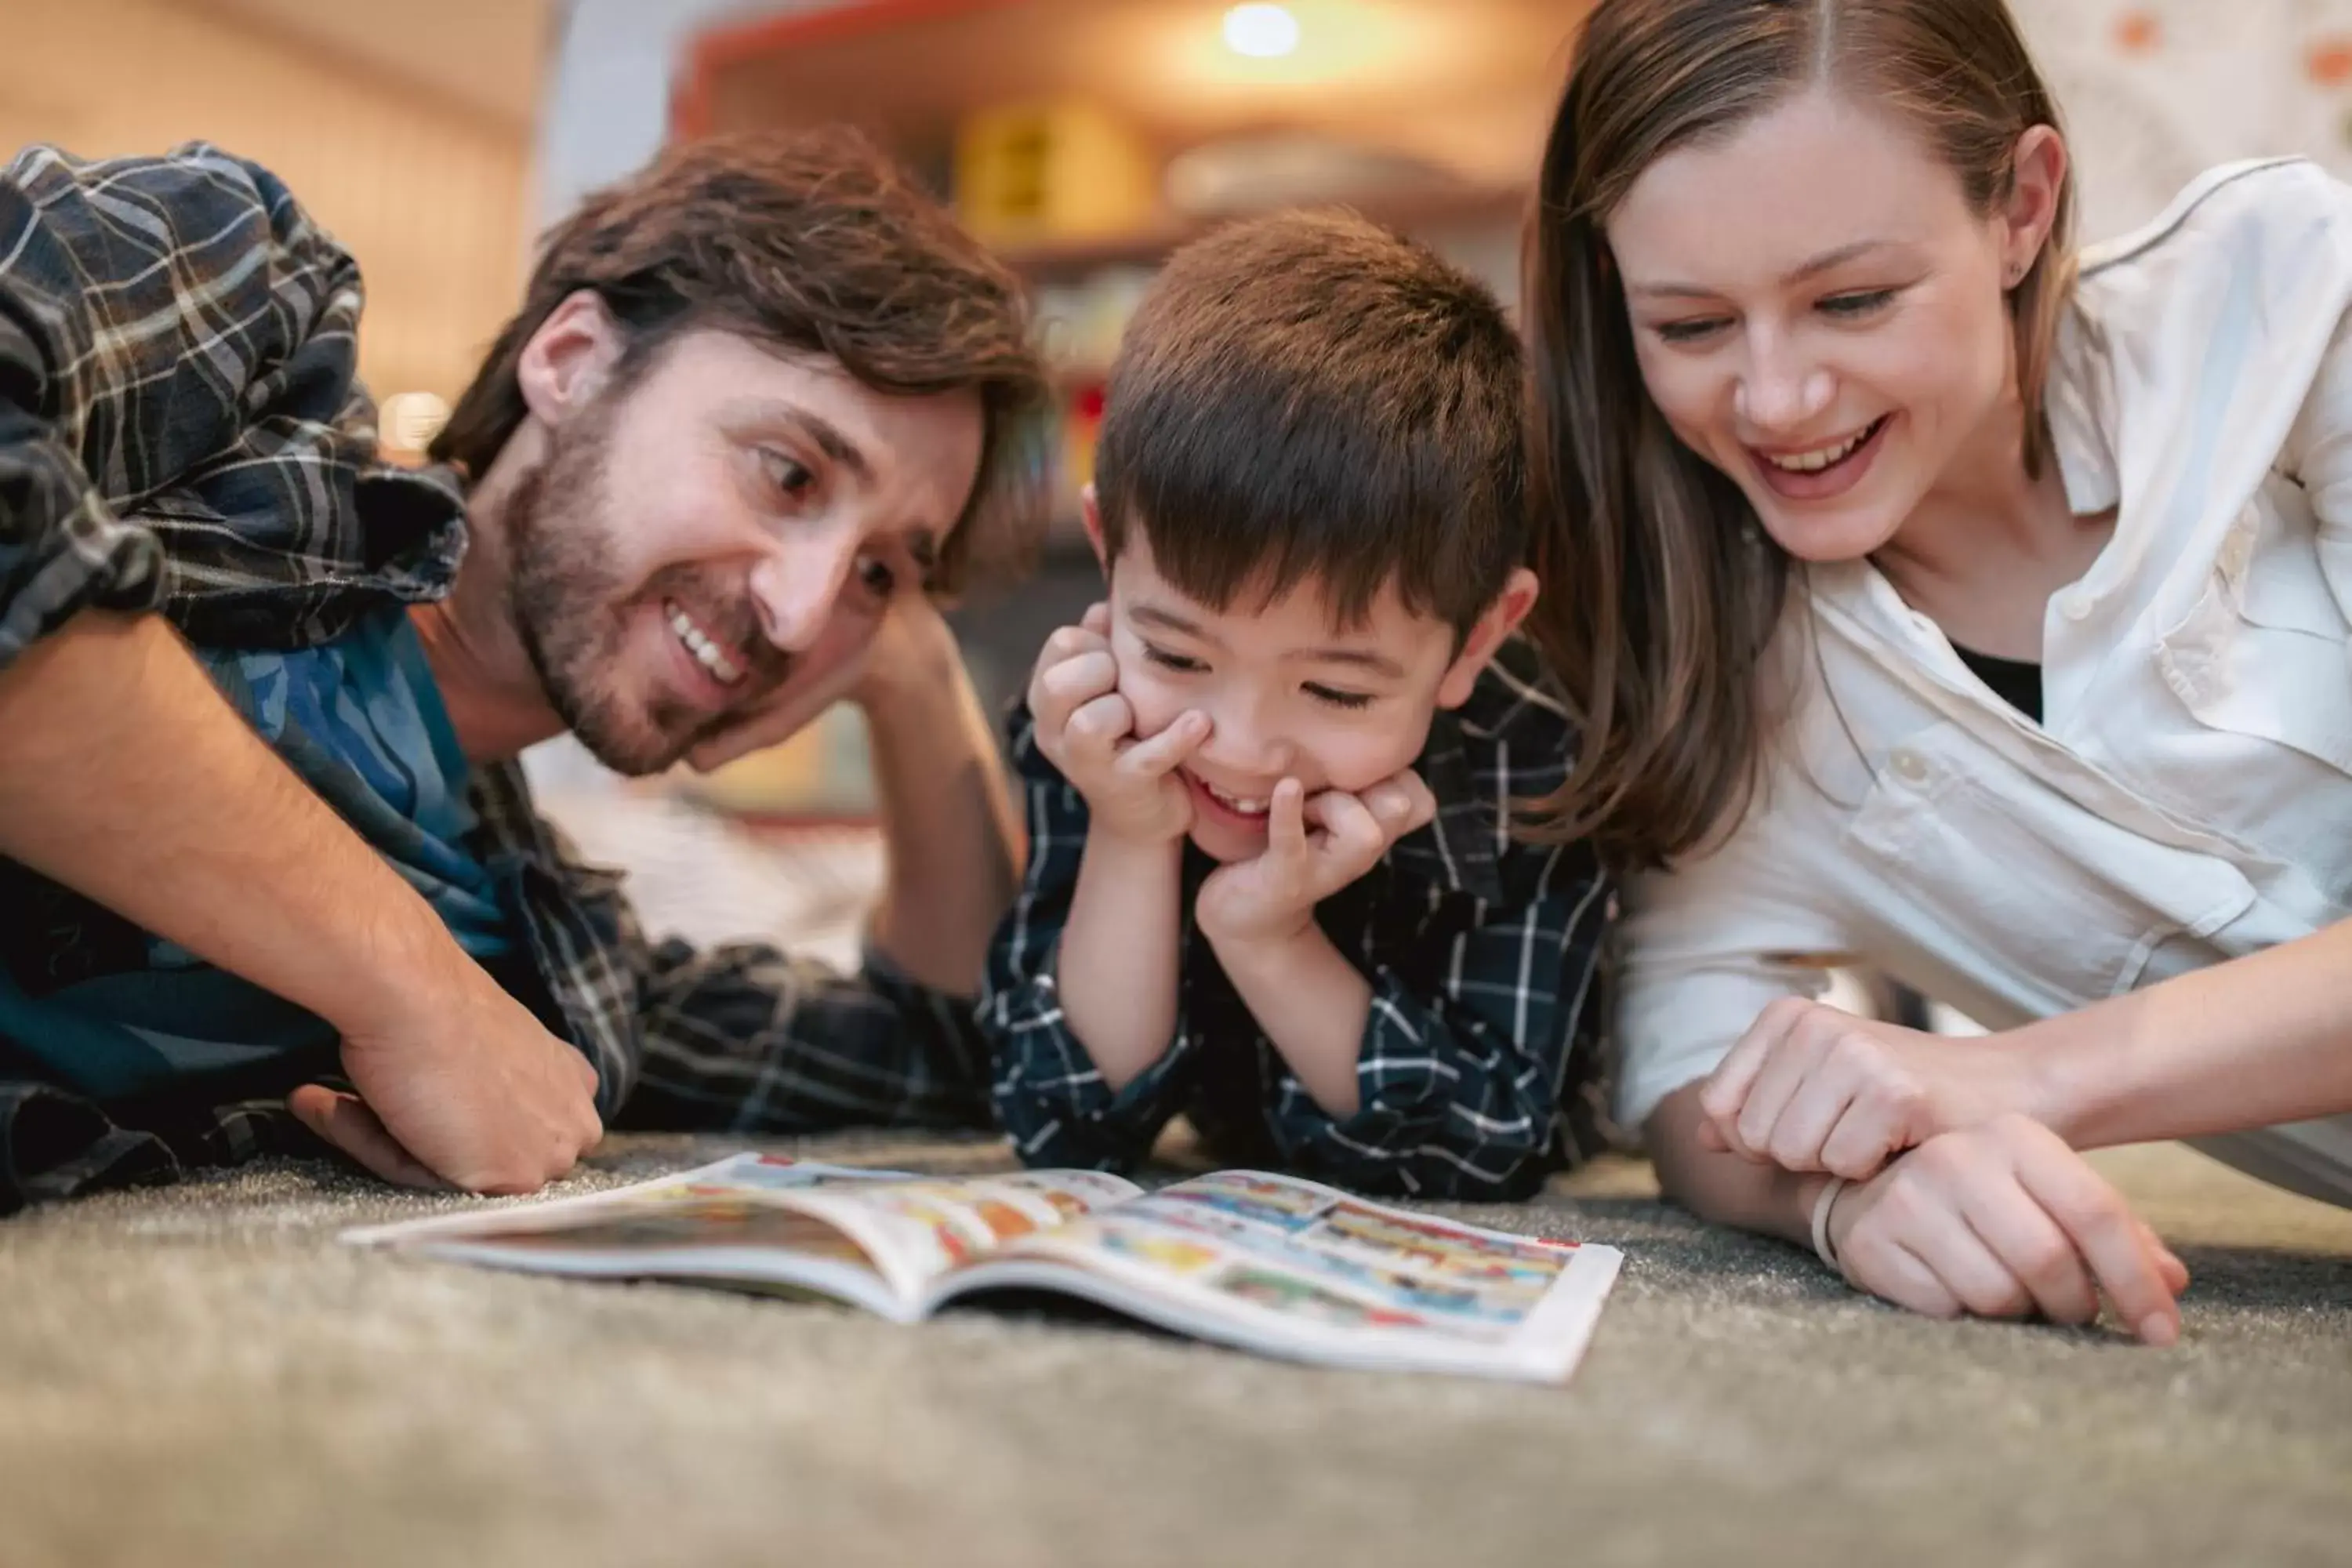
(1309, 396)
(813, 242)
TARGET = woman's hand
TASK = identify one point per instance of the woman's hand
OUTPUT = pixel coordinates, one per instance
(1811, 1089)
(2003, 1220)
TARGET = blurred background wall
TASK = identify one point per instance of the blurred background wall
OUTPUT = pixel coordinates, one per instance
(408, 131)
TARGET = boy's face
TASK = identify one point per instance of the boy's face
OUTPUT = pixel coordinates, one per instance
(1287, 691)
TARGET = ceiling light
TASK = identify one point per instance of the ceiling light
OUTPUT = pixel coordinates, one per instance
(1261, 32)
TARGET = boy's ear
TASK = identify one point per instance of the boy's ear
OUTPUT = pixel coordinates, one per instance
(569, 359)
(1092, 514)
(1501, 619)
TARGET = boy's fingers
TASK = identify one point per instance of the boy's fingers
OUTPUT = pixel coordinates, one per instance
(1285, 819)
(1094, 730)
(1157, 755)
(1096, 619)
(345, 1121)
(1353, 837)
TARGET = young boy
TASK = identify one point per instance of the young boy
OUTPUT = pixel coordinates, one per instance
(1271, 881)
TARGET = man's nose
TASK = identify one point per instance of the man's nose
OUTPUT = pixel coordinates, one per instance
(796, 585)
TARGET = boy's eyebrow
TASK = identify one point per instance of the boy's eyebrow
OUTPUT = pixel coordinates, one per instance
(1364, 659)
(1169, 621)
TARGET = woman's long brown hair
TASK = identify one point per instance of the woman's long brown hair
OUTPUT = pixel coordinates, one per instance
(1661, 594)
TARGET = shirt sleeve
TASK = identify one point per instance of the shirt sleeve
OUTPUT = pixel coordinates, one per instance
(1464, 1066)
(1048, 1094)
(1707, 947)
(2319, 457)
(746, 1038)
(181, 426)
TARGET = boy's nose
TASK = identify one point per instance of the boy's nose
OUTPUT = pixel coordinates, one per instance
(1242, 749)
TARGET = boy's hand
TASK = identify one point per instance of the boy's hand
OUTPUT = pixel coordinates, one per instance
(1088, 730)
(1313, 849)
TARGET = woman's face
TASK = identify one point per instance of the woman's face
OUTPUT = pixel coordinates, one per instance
(1819, 314)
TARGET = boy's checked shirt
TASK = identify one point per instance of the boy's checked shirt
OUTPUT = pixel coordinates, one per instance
(1480, 1071)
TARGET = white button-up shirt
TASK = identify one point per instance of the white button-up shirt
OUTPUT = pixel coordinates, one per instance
(2187, 796)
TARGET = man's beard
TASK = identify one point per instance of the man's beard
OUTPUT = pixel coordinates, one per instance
(575, 613)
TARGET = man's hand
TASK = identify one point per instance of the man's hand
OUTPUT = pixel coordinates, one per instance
(2003, 1220)
(458, 1084)
(1314, 848)
(1811, 1089)
(1088, 731)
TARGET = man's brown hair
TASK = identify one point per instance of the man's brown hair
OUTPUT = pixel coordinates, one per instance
(813, 242)
(1308, 395)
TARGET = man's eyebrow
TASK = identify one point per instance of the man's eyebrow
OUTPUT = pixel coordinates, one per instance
(820, 432)
(1818, 265)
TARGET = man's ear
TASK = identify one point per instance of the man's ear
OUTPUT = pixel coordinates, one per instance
(569, 359)
(1487, 633)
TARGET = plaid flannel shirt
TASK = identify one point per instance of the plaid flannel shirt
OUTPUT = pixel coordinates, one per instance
(181, 432)
(1481, 1065)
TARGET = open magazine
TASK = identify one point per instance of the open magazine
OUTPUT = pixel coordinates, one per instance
(1267, 1263)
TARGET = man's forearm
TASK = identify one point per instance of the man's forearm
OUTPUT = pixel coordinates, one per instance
(2263, 1039)
(125, 775)
(1313, 1006)
(1117, 970)
(953, 840)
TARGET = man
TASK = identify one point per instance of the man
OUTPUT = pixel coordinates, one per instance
(264, 843)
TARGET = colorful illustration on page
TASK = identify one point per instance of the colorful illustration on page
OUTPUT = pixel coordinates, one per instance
(1289, 1294)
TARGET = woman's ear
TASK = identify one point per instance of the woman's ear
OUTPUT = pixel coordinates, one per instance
(569, 359)
(1487, 633)
(2037, 181)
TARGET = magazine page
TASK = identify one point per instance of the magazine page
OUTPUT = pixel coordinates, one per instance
(722, 1221)
(1291, 1267)
(920, 1230)
(875, 1238)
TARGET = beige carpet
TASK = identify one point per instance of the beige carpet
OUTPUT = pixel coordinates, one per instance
(198, 1375)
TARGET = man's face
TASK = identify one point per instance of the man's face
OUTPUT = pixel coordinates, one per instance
(722, 531)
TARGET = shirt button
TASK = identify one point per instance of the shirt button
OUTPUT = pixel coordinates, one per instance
(2236, 554)
(1910, 766)
(2075, 606)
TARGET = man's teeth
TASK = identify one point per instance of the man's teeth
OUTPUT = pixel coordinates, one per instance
(1822, 457)
(1236, 803)
(706, 652)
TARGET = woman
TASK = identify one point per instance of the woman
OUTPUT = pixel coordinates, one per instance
(1951, 606)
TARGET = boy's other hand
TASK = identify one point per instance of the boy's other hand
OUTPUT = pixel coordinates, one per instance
(1088, 730)
(1314, 848)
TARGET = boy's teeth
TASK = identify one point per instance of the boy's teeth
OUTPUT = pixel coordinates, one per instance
(1234, 801)
(705, 651)
(1822, 457)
